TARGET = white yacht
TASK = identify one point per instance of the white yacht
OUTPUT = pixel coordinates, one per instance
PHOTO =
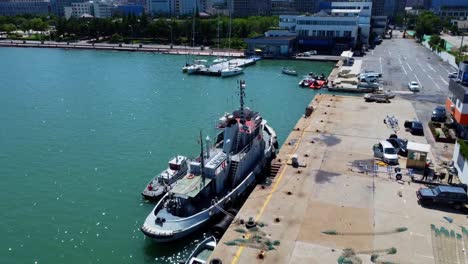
(231, 71)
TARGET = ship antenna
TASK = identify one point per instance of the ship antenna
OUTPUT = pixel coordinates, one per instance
(202, 156)
(242, 95)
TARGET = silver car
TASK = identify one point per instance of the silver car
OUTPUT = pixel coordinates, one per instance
(453, 75)
(414, 86)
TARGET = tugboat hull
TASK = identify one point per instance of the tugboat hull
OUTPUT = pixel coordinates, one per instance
(193, 223)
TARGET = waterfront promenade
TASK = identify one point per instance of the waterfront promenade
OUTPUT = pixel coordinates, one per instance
(165, 49)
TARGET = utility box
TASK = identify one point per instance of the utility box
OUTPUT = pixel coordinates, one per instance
(417, 155)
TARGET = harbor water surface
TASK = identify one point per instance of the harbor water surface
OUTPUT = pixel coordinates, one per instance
(83, 132)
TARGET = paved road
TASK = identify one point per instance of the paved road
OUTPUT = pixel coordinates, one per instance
(403, 60)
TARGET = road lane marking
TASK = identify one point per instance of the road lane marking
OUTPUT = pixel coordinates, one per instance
(424, 256)
(444, 68)
(445, 82)
(431, 68)
(430, 77)
(422, 68)
(404, 70)
(381, 68)
(418, 79)
(400, 60)
(409, 66)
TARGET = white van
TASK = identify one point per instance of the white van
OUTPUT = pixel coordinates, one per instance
(385, 151)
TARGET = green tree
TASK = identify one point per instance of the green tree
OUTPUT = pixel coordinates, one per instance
(8, 28)
(116, 38)
(428, 24)
(434, 41)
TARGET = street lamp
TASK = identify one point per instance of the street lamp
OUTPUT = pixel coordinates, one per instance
(170, 26)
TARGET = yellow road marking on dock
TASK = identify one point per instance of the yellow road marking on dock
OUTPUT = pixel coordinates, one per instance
(267, 200)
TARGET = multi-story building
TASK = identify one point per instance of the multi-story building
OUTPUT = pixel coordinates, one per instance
(126, 10)
(160, 6)
(326, 32)
(378, 7)
(283, 7)
(176, 7)
(242, 8)
(97, 9)
(457, 100)
(17, 7)
(103, 9)
(448, 8)
(79, 9)
(307, 6)
(58, 6)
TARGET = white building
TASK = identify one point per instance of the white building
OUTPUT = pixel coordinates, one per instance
(322, 25)
(79, 9)
(103, 9)
(98, 9)
(349, 20)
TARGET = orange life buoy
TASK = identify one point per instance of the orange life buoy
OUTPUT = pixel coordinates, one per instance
(191, 176)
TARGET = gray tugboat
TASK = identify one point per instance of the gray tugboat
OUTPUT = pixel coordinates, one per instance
(220, 175)
(167, 179)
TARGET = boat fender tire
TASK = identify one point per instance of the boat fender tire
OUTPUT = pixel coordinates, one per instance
(250, 224)
(273, 155)
(398, 176)
(216, 261)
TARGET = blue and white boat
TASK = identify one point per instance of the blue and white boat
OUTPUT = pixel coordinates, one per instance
(218, 177)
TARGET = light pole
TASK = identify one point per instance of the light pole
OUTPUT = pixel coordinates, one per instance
(170, 26)
(461, 45)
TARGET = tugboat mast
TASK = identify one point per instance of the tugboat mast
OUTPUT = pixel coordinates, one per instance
(202, 156)
(242, 95)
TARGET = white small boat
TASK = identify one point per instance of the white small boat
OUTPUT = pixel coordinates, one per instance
(194, 68)
(202, 252)
(289, 71)
(163, 182)
(231, 71)
(219, 60)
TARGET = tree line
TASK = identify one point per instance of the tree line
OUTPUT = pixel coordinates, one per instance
(212, 31)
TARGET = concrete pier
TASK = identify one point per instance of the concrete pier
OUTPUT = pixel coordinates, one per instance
(367, 212)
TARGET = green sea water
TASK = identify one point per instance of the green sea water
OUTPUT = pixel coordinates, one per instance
(82, 132)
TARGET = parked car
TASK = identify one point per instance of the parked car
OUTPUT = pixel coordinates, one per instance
(385, 151)
(443, 195)
(310, 53)
(372, 73)
(414, 127)
(453, 75)
(367, 78)
(358, 53)
(439, 114)
(400, 145)
(413, 86)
